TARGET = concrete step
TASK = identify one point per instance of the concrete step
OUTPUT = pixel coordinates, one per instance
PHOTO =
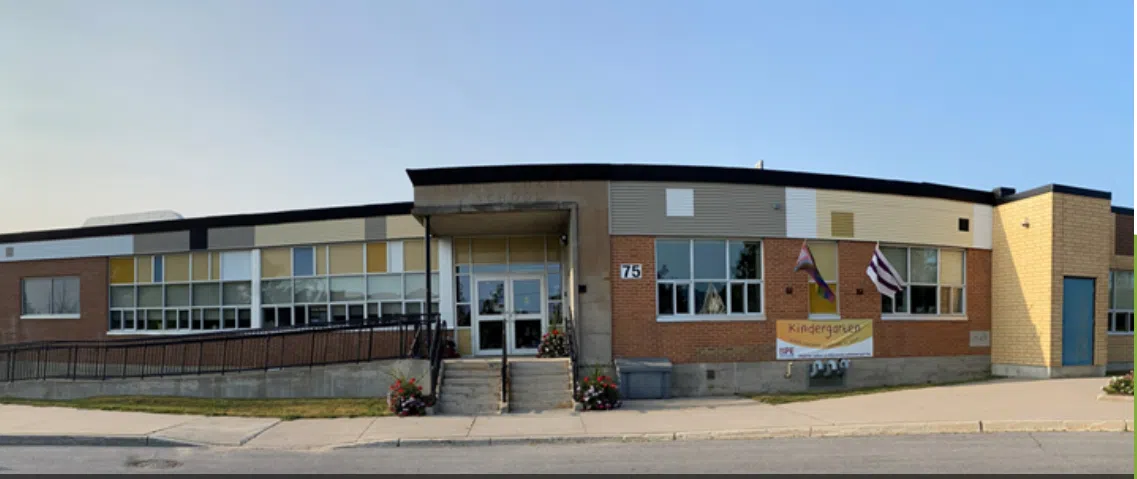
(468, 408)
(531, 388)
(471, 381)
(527, 408)
(552, 395)
(471, 391)
(471, 364)
(527, 376)
(540, 367)
(471, 374)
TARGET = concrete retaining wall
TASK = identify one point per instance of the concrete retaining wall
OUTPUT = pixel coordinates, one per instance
(695, 379)
(351, 380)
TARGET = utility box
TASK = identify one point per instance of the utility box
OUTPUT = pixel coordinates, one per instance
(644, 378)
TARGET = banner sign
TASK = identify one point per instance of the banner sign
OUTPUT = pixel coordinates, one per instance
(804, 339)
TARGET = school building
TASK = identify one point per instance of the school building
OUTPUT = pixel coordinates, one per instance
(690, 264)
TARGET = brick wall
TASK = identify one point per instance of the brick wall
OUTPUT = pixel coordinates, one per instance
(1021, 282)
(1081, 248)
(637, 333)
(92, 323)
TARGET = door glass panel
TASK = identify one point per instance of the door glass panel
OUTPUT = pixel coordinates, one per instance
(526, 333)
(489, 334)
(491, 298)
(527, 296)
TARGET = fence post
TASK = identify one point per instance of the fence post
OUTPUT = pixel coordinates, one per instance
(12, 365)
(145, 358)
(200, 355)
(268, 347)
(224, 352)
(39, 361)
(162, 366)
(71, 362)
(370, 339)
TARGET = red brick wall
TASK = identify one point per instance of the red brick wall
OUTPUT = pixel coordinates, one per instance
(92, 323)
(636, 333)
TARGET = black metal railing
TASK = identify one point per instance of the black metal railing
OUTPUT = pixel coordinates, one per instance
(386, 337)
(505, 359)
(437, 342)
(570, 337)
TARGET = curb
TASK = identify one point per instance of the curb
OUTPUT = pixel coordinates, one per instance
(97, 441)
(824, 431)
(1103, 396)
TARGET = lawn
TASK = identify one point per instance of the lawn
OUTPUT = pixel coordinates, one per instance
(276, 408)
(788, 398)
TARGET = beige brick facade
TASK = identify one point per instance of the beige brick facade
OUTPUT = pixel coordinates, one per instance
(1081, 248)
(1021, 272)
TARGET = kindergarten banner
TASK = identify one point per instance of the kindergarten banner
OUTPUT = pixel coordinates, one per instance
(846, 338)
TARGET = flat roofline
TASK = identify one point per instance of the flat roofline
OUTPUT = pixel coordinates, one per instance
(690, 174)
(1056, 188)
(1121, 210)
(221, 221)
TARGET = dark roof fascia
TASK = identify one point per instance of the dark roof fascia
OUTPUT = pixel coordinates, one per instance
(1054, 188)
(697, 174)
(1121, 210)
(207, 222)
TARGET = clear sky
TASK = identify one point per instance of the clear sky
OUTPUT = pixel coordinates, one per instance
(226, 106)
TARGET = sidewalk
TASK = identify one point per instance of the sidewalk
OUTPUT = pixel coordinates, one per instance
(998, 406)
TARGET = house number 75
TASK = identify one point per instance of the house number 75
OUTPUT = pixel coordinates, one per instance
(631, 271)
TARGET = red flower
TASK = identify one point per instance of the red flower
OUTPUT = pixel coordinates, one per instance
(412, 380)
(603, 378)
(401, 391)
(586, 379)
(420, 388)
(555, 331)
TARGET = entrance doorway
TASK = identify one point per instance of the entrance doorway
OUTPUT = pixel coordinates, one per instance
(512, 306)
(1077, 321)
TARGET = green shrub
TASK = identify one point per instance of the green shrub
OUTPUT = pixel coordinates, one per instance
(1120, 385)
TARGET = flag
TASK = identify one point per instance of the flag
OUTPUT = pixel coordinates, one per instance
(805, 262)
(883, 275)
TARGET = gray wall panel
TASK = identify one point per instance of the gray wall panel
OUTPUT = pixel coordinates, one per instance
(375, 228)
(239, 237)
(172, 242)
(640, 208)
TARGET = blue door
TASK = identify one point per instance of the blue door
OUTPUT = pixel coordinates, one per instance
(1077, 321)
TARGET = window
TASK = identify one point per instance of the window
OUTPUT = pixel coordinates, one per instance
(708, 278)
(1120, 302)
(181, 293)
(47, 297)
(935, 279)
(825, 257)
(339, 283)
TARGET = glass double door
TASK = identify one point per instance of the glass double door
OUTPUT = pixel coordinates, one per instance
(510, 313)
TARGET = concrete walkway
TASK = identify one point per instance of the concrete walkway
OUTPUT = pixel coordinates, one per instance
(1007, 405)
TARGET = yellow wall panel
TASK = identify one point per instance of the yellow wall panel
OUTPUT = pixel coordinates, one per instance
(175, 268)
(145, 269)
(276, 263)
(527, 249)
(346, 258)
(404, 226)
(122, 270)
(414, 257)
(376, 257)
(215, 261)
(321, 260)
(490, 250)
(818, 304)
(462, 251)
(201, 266)
(896, 219)
(842, 224)
(330, 231)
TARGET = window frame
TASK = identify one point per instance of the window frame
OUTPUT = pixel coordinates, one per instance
(51, 298)
(939, 285)
(691, 281)
(1112, 311)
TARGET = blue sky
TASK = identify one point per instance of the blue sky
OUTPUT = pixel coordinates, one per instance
(224, 106)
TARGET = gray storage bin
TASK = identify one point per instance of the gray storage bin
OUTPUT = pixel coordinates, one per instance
(644, 378)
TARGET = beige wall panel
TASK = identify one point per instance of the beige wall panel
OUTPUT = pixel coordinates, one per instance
(896, 219)
(311, 232)
(404, 226)
(346, 258)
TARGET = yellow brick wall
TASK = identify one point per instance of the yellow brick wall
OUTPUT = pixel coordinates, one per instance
(1021, 282)
(1081, 248)
(1121, 349)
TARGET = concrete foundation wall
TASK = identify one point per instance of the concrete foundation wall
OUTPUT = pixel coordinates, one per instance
(350, 381)
(1045, 372)
(693, 379)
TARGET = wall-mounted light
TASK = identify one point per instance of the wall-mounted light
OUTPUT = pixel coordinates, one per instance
(1026, 222)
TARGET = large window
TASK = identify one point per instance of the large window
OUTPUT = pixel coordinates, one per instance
(343, 282)
(49, 297)
(201, 291)
(935, 279)
(1121, 302)
(825, 258)
(706, 278)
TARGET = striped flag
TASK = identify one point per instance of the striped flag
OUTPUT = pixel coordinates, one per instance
(883, 275)
(805, 262)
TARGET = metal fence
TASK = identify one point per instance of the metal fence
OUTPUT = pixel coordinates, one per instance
(387, 337)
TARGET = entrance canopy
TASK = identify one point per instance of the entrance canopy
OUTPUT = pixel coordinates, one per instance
(498, 218)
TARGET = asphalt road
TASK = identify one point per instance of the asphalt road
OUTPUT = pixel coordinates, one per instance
(986, 453)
